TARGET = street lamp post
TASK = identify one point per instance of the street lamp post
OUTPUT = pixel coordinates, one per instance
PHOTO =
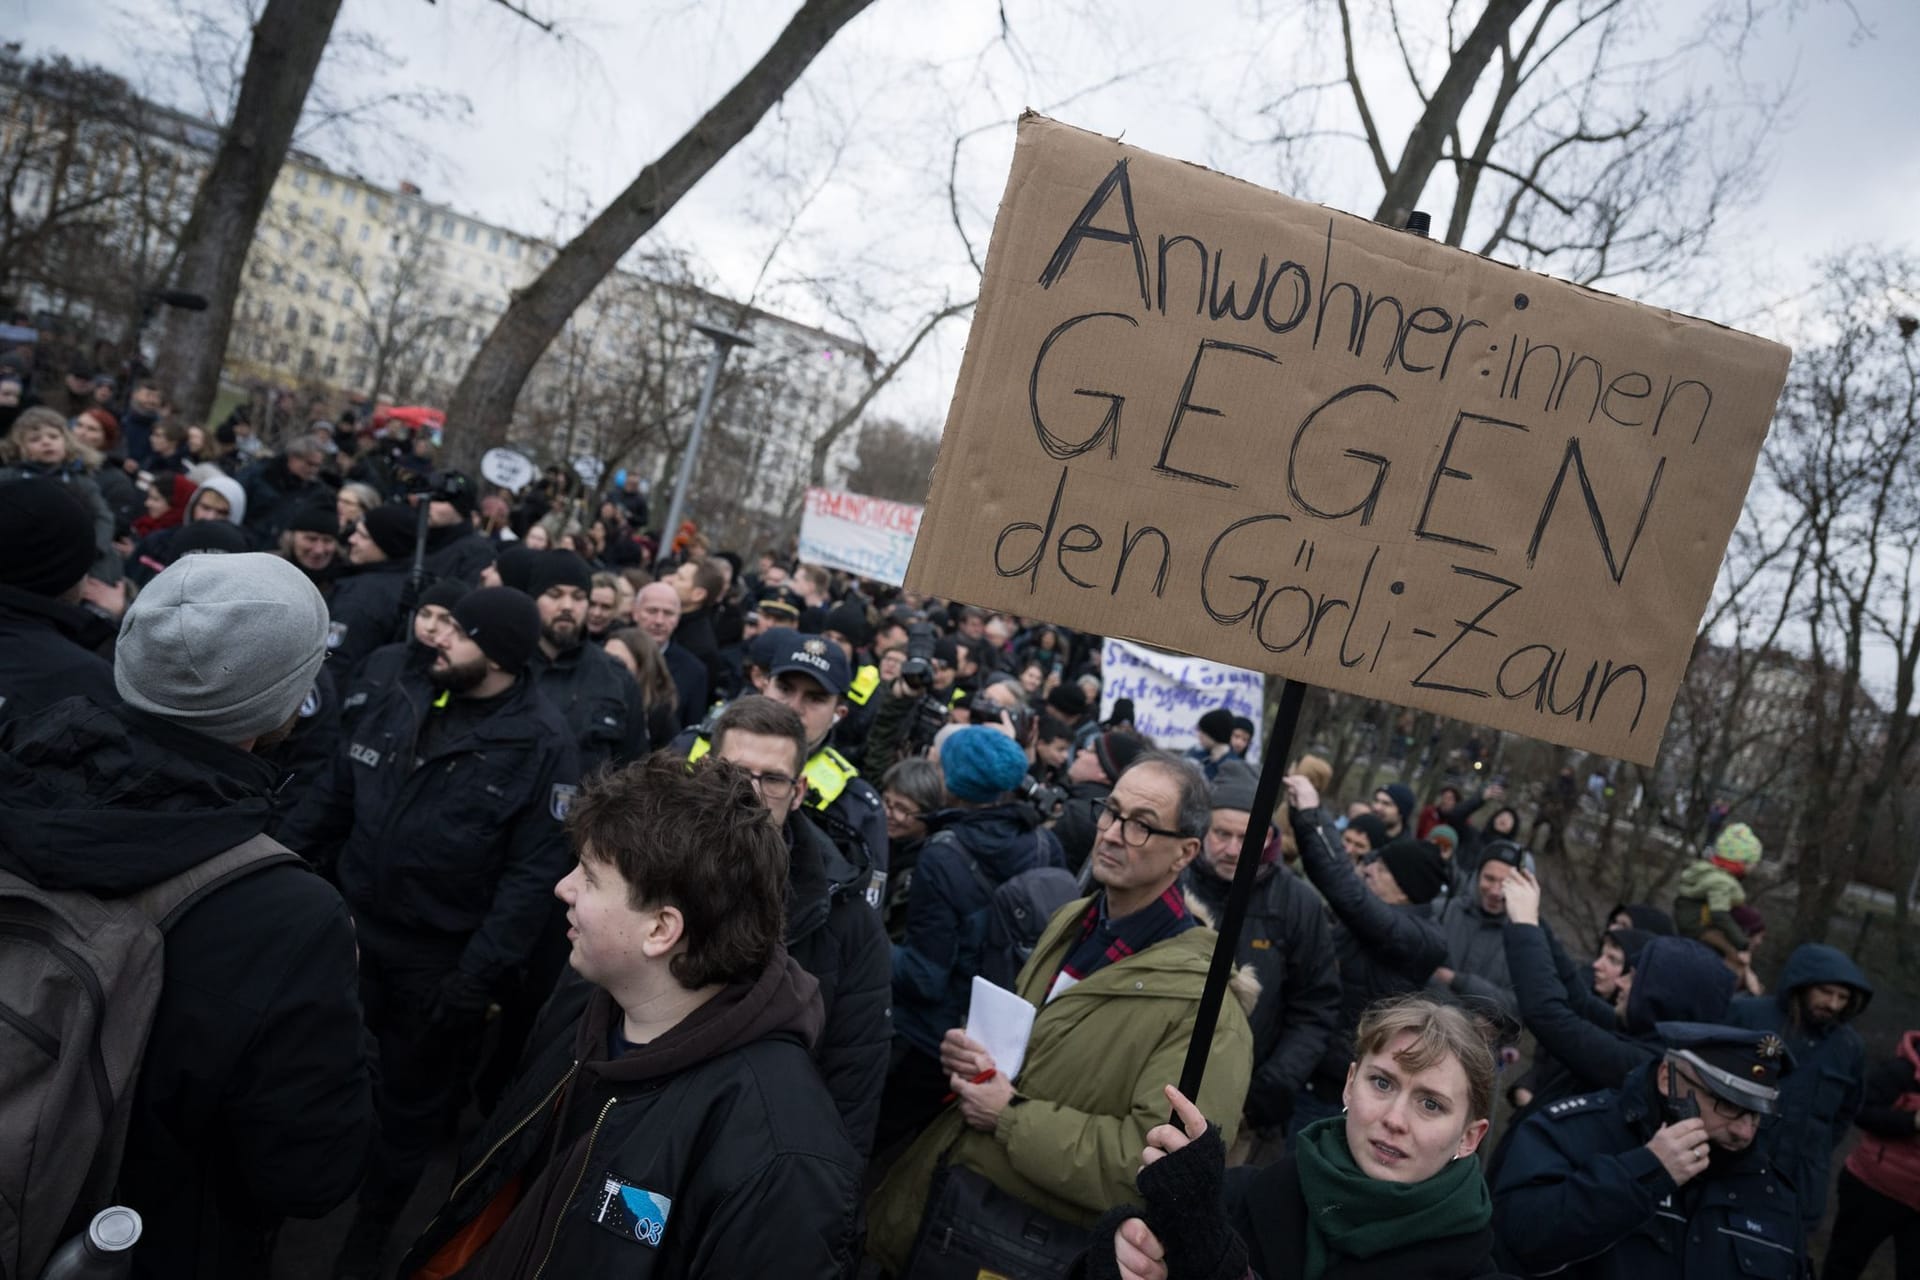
(724, 341)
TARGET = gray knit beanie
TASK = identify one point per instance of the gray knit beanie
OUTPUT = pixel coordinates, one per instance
(225, 645)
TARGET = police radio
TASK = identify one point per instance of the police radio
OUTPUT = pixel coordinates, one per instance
(1678, 1107)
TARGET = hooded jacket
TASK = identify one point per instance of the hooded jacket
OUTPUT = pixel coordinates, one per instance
(1888, 1155)
(1676, 980)
(836, 937)
(49, 652)
(711, 1151)
(938, 954)
(272, 494)
(1286, 944)
(1383, 950)
(1821, 1095)
(1099, 1056)
(254, 1101)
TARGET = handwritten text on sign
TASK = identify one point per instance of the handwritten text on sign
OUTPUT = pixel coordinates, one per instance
(1170, 693)
(868, 536)
(1221, 421)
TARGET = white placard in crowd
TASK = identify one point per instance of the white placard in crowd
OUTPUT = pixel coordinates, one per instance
(508, 468)
(1170, 693)
(868, 536)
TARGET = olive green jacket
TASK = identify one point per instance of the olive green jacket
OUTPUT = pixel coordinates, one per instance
(1090, 1089)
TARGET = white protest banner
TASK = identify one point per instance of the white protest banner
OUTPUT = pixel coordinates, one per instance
(1224, 422)
(1170, 693)
(868, 536)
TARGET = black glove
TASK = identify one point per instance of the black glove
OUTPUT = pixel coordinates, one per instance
(1268, 1108)
(460, 999)
(1099, 1262)
(1186, 1211)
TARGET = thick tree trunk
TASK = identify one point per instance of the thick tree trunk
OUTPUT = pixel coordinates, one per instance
(287, 44)
(482, 406)
(1428, 137)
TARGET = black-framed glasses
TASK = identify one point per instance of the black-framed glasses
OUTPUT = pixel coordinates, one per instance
(1134, 832)
(772, 786)
(1721, 1107)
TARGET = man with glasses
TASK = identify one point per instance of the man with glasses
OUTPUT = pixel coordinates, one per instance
(831, 931)
(1660, 1178)
(1116, 981)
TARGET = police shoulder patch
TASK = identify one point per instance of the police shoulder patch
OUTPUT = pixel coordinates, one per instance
(562, 800)
(336, 635)
(310, 705)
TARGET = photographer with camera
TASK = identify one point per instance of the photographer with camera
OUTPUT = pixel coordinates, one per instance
(913, 708)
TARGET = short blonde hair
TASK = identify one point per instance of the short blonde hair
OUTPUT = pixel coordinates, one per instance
(1440, 1031)
(41, 418)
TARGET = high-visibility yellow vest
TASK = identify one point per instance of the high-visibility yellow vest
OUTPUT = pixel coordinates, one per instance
(864, 683)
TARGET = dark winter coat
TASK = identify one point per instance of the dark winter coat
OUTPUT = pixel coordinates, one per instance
(690, 679)
(1383, 950)
(458, 551)
(722, 1118)
(464, 846)
(254, 1102)
(934, 963)
(1269, 1213)
(273, 495)
(1581, 1197)
(1676, 980)
(695, 633)
(1477, 951)
(48, 652)
(1287, 946)
(1077, 820)
(600, 702)
(1821, 1095)
(837, 938)
(365, 609)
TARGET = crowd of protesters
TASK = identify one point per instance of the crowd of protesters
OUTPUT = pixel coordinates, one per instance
(657, 879)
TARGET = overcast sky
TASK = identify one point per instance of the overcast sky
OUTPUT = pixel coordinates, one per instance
(558, 125)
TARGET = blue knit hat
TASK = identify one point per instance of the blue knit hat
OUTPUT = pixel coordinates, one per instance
(981, 764)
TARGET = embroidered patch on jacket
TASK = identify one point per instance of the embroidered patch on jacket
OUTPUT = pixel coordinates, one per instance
(631, 1212)
(563, 794)
(336, 635)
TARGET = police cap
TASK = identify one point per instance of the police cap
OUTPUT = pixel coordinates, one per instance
(818, 657)
(1736, 1065)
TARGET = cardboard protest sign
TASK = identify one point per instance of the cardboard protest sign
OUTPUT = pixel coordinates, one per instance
(1208, 417)
(868, 536)
(1170, 693)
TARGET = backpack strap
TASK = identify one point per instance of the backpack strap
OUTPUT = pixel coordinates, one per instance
(953, 841)
(166, 902)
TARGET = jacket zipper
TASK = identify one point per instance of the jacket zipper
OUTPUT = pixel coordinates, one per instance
(586, 1158)
(504, 1138)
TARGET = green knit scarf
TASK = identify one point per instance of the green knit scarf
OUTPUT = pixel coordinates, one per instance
(1352, 1214)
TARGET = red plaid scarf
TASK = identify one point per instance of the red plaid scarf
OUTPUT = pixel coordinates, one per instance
(1104, 941)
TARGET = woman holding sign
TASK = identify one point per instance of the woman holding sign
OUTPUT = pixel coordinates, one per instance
(1388, 1188)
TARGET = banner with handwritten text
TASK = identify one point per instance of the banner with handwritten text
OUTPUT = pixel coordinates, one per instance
(868, 536)
(1224, 422)
(1170, 693)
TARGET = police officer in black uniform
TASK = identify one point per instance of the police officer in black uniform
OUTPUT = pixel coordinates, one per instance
(600, 701)
(810, 674)
(1660, 1178)
(449, 792)
(365, 606)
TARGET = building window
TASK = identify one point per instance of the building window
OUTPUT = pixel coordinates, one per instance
(373, 205)
(260, 348)
(300, 179)
(279, 273)
(493, 242)
(286, 239)
(300, 283)
(446, 227)
(513, 250)
(340, 225)
(439, 361)
(326, 186)
(357, 264)
(426, 219)
(293, 212)
(293, 317)
(347, 196)
(282, 353)
(326, 291)
(365, 230)
(316, 326)
(339, 330)
(308, 360)
(473, 233)
(346, 297)
(331, 368)
(306, 251)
